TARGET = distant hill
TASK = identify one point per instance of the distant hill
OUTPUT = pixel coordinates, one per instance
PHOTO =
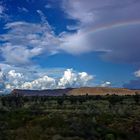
(48, 92)
(102, 91)
(76, 91)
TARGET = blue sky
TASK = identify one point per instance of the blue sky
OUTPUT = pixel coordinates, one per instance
(69, 43)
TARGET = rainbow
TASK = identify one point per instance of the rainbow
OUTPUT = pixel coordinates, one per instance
(111, 26)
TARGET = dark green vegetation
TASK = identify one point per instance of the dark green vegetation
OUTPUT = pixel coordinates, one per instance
(109, 117)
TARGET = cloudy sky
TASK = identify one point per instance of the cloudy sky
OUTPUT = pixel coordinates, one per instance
(69, 43)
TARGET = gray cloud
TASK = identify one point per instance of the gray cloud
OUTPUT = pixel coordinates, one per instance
(119, 44)
(92, 11)
(137, 73)
(133, 84)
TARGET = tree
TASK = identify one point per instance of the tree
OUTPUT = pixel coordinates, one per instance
(136, 97)
(60, 101)
(113, 99)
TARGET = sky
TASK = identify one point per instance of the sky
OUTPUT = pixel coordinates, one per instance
(48, 44)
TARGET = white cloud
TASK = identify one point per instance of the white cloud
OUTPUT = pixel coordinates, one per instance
(72, 27)
(134, 83)
(48, 6)
(13, 79)
(69, 79)
(23, 9)
(74, 43)
(2, 76)
(18, 54)
(106, 84)
(137, 73)
(73, 79)
(23, 41)
(3, 15)
(78, 10)
(2, 79)
(2, 12)
(44, 21)
(83, 42)
(44, 82)
(84, 78)
(1, 9)
(12, 74)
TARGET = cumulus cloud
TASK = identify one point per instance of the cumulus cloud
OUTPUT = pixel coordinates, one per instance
(2, 79)
(73, 79)
(13, 79)
(13, 74)
(44, 82)
(106, 84)
(70, 78)
(137, 73)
